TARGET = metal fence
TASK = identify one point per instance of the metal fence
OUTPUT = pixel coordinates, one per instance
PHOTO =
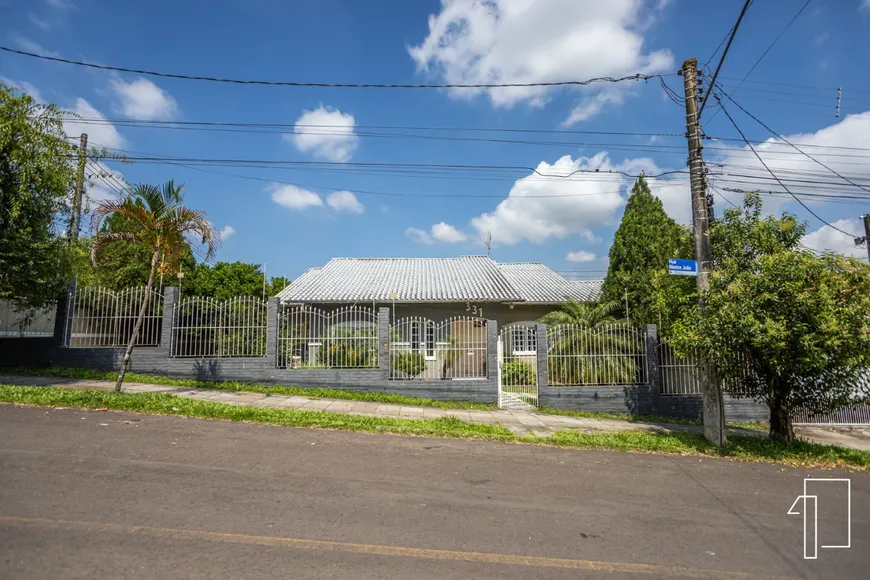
(854, 415)
(605, 355)
(99, 317)
(309, 337)
(206, 328)
(453, 349)
(518, 367)
(16, 323)
(678, 375)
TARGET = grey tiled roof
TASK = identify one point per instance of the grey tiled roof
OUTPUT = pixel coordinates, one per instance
(537, 283)
(467, 278)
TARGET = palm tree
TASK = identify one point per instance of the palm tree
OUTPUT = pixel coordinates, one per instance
(161, 222)
(588, 344)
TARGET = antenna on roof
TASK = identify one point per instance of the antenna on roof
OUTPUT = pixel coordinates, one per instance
(488, 243)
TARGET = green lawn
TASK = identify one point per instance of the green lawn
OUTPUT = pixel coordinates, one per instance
(742, 448)
(314, 392)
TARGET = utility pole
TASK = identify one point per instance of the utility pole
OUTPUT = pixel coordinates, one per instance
(80, 186)
(866, 218)
(711, 390)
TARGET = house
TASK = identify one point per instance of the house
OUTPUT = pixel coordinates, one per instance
(438, 306)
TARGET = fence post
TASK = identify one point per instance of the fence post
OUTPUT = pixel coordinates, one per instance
(170, 299)
(62, 324)
(542, 349)
(384, 341)
(492, 353)
(654, 377)
(273, 313)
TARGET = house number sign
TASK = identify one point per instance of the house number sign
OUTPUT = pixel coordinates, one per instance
(475, 311)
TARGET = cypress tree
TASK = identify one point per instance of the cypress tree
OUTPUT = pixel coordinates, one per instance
(644, 241)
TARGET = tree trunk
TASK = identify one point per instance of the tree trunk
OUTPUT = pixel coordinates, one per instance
(780, 418)
(144, 308)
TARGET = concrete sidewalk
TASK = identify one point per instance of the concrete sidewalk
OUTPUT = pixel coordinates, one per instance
(520, 422)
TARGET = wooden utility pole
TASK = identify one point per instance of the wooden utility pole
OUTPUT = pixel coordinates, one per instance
(80, 186)
(711, 390)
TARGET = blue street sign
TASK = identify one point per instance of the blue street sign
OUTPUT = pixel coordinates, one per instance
(682, 267)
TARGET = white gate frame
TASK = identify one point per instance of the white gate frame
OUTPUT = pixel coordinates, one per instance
(524, 395)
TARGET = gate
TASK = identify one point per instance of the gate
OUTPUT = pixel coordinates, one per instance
(518, 367)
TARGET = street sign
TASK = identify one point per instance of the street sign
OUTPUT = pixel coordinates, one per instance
(682, 267)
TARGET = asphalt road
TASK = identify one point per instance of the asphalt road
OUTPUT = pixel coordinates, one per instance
(118, 495)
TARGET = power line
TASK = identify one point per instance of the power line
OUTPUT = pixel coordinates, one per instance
(760, 58)
(798, 86)
(778, 136)
(814, 214)
(635, 77)
(724, 54)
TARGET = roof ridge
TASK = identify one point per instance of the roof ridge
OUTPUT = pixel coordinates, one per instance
(413, 258)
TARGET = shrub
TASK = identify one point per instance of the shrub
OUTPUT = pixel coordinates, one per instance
(409, 363)
(518, 372)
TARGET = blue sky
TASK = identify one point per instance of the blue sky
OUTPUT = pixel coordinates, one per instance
(567, 224)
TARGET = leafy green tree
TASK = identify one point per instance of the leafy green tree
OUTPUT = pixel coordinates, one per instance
(644, 241)
(159, 220)
(225, 280)
(36, 182)
(792, 328)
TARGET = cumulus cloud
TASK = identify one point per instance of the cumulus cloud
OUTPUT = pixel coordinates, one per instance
(827, 238)
(738, 168)
(441, 232)
(581, 257)
(326, 133)
(100, 134)
(226, 232)
(504, 41)
(344, 201)
(294, 198)
(143, 100)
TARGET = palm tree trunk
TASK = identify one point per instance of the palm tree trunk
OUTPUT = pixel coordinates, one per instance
(144, 308)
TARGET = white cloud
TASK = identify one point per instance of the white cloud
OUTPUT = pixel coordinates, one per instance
(827, 238)
(24, 87)
(581, 257)
(344, 201)
(440, 232)
(798, 172)
(227, 231)
(865, 3)
(531, 41)
(419, 236)
(104, 183)
(444, 232)
(28, 45)
(99, 135)
(326, 133)
(592, 106)
(542, 207)
(294, 197)
(144, 101)
(37, 21)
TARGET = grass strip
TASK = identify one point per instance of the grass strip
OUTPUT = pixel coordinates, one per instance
(313, 392)
(741, 448)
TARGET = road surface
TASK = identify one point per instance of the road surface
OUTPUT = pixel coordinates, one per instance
(89, 494)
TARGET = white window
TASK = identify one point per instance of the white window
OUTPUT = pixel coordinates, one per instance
(415, 336)
(524, 341)
(430, 341)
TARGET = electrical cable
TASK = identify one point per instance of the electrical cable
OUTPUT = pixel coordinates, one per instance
(635, 77)
(724, 54)
(814, 214)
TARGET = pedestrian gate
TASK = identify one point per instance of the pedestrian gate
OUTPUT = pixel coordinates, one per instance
(518, 367)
